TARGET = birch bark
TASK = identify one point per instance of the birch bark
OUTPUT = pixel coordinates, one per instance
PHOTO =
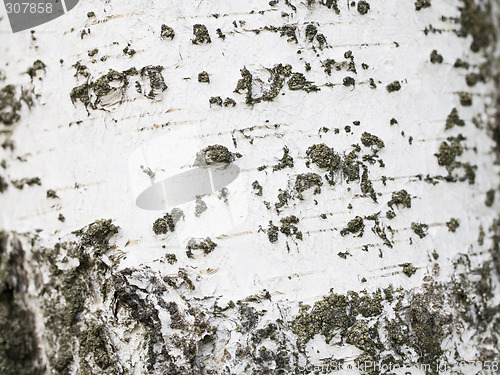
(258, 187)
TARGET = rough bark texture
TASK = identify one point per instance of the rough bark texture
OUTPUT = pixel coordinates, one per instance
(361, 233)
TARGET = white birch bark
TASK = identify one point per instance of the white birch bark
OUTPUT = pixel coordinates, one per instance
(360, 230)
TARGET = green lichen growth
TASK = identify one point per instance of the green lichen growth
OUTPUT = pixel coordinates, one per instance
(10, 105)
(409, 269)
(298, 82)
(465, 98)
(203, 77)
(93, 52)
(393, 86)
(420, 4)
(363, 7)
(30, 181)
(167, 32)
(476, 20)
(213, 155)
(448, 152)
(307, 181)
(459, 63)
(171, 258)
(257, 188)
(370, 140)
(155, 79)
(453, 224)
(18, 348)
(164, 224)
(229, 102)
(278, 75)
(324, 157)
(289, 227)
(354, 226)
(98, 234)
(435, 57)
(201, 35)
(206, 246)
(286, 160)
(399, 199)
(453, 119)
(420, 229)
(490, 198)
(272, 232)
(3, 185)
(215, 100)
(37, 66)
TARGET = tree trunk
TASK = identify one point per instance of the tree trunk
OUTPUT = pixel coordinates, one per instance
(260, 187)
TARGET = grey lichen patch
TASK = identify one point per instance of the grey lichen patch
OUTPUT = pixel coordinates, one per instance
(201, 35)
(289, 227)
(203, 77)
(206, 246)
(420, 229)
(453, 119)
(453, 224)
(37, 66)
(435, 57)
(167, 32)
(399, 199)
(213, 155)
(307, 181)
(29, 181)
(363, 7)
(393, 86)
(370, 140)
(490, 198)
(286, 160)
(421, 4)
(200, 207)
(354, 226)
